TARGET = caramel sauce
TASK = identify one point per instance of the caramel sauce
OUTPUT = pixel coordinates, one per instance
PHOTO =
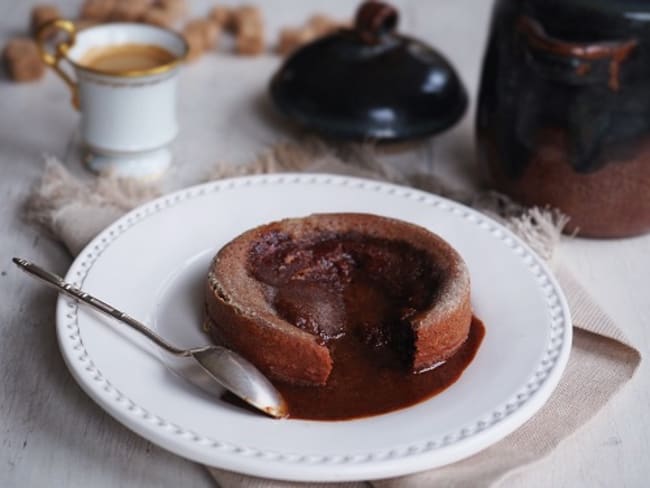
(371, 381)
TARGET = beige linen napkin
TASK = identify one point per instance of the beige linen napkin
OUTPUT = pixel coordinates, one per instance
(601, 361)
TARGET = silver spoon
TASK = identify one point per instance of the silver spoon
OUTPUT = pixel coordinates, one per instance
(226, 367)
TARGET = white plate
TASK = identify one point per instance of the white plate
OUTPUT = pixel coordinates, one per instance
(151, 263)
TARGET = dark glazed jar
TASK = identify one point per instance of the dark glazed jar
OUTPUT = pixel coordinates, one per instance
(564, 110)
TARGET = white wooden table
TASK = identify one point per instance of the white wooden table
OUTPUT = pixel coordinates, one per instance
(54, 435)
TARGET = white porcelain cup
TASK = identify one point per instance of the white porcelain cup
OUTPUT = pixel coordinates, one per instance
(128, 119)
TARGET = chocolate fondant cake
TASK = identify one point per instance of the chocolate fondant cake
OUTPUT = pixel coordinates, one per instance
(282, 294)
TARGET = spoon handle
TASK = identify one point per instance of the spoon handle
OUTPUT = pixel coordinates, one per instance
(57, 282)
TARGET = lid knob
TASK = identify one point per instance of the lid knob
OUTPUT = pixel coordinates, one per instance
(374, 20)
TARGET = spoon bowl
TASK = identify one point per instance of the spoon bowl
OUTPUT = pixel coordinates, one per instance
(242, 378)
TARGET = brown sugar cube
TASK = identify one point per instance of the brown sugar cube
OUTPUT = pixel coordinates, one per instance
(177, 9)
(291, 39)
(129, 10)
(208, 31)
(322, 24)
(249, 44)
(247, 17)
(249, 31)
(99, 10)
(22, 60)
(195, 39)
(222, 16)
(41, 15)
(158, 16)
(210, 34)
(250, 27)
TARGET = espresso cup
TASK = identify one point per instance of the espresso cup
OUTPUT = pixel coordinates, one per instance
(127, 104)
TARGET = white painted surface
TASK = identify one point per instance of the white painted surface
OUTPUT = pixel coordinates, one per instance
(52, 434)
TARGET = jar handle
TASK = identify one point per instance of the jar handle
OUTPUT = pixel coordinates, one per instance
(375, 20)
(60, 50)
(582, 54)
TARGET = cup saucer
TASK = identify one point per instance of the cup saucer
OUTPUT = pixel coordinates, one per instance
(144, 164)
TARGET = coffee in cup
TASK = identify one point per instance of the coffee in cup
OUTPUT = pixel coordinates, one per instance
(121, 58)
(123, 81)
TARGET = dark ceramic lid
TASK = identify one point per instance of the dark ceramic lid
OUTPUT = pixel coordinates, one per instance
(369, 83)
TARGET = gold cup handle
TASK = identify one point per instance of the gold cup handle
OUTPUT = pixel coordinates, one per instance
(61, 48)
